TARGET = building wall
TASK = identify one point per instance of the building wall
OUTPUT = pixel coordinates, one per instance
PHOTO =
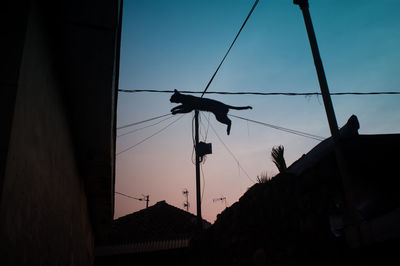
(44, 209)
(10, 54)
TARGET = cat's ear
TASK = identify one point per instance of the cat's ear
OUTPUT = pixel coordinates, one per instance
(176, 91)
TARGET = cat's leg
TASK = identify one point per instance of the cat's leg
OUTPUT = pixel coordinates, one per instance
(176, 109)
(223, 118)
(228, 129)
(182, 110)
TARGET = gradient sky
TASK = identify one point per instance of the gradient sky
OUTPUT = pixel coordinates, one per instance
(178, 45)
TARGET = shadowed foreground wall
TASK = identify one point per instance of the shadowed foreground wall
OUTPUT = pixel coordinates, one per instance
(43, 205)
(58, 81)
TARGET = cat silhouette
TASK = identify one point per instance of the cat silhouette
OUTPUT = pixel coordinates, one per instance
(190, 103)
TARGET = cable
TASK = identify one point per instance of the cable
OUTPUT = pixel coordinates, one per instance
(208, 126)
(129, 132)
(204, 127)
(140, 122)
(237, 35)
(194, 143)
(204, 183)
(269, 93)
(296, 132)
(234, 157)
(119, 193)
(201, 125)
(159, 131)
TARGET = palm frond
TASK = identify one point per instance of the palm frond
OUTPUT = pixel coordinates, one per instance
(278, 159)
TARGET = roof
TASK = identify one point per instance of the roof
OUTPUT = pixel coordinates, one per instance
(156, 223)
(140, 247)
(288, 218)
(323, 149)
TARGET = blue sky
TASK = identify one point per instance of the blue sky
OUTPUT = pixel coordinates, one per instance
(178, 45)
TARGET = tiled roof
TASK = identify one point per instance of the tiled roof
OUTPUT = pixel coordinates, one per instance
(141, 247)
(158, 222)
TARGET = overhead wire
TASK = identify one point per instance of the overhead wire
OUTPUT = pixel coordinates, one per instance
(230, 47)
(122, 194)
(159, 131)
(201, 126)
(231, 153)
(140, 122)
(204, 183)
(138, 129)
(268, 93)
(208, 126)
(296, 132)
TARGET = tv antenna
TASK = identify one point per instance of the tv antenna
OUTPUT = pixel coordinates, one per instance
(186, 204)
(222, 199)
(146, 198)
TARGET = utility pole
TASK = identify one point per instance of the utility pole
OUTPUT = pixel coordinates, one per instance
(351, 213)
(330, 113)
(198, 201)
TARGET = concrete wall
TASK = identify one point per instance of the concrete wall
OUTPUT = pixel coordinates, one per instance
(44, 209)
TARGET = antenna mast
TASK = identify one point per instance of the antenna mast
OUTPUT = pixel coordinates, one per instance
(186, 204)
(222, 199)
(146, 198)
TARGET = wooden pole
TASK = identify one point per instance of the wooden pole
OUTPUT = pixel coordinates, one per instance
(330, 113)
(353, 235)
(198, 200)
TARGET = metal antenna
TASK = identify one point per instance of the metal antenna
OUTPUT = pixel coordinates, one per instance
(186, 204)
(146, 198)
(222, 199)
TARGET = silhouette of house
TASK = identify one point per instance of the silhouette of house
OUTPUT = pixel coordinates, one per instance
(371, 164)
(158, 234)
(299, 217)
(59, 80)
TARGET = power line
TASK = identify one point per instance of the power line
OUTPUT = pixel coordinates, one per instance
(204, 182)
(140, 122)
(135, 130)
(159, 131)
(230, 47)
(231, 153)
(296, 132)
(268, 93)
(119, 193)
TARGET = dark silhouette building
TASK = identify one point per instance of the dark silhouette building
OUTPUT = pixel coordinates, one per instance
(156, 235)
(59, 75)
(299, 217)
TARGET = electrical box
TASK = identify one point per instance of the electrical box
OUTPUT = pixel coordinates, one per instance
(203, 149)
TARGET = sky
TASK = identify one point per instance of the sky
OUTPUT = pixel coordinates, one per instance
(178, 44)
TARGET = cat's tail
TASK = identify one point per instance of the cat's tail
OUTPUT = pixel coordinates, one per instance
(240, 107)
